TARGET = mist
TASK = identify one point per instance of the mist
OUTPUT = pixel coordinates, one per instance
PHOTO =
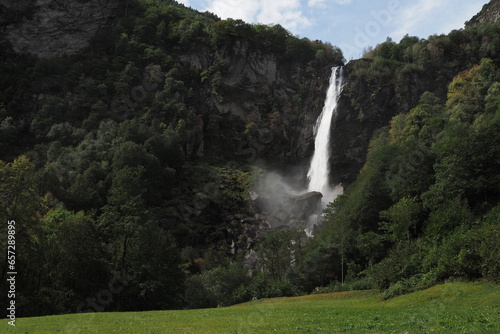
(287, 198)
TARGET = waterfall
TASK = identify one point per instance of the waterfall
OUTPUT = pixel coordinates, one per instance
(319, 169)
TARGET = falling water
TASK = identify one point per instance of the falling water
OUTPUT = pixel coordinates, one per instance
(319, 169)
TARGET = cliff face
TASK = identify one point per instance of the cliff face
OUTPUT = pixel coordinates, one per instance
(242, 101)
(489, 13)
(50, 28)
(263, 107)
(251, 103)
(368, 103)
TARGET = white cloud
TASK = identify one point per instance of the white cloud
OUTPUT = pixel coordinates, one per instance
(184, 2)
(411, 17)
(288, 13)
(285, 12)
(457, 20)
(322, 3)
(235, 9)
(316, 3)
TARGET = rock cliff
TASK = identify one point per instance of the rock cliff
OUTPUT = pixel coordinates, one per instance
(489, 13)
(368, 103)
(263, 107)
(52, 28)
(251, 102)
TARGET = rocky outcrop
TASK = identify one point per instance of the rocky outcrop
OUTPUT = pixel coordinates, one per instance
(264, 106)
(368, 103)
(301, 212)
(252, 101)
(53, 28)
(489, 13)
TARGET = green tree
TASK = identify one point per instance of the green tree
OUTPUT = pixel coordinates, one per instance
(343, 240)
(22, 206)
(124, 215)
(75, 262)
(423, 122)
(468, 89)
(401, 219)
(155, 273)
(216, 287)
(299, 49)
(444, 219)
(487, 236)
(132, 155)
(8, 134)
(279, 252)
(493, 98)
(141, 250)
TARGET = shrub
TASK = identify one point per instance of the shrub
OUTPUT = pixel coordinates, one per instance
(394, 290)
(488, 236)
(403, 287)
(220, 286)
(361, 283)
(402, 262)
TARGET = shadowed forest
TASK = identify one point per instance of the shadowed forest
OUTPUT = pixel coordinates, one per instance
(136, 165)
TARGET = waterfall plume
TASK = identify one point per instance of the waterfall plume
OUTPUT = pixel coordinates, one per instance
(319, 170)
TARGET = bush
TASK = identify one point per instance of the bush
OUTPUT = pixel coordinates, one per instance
(488, 236)
(261, 287)
(429, 279)
(195, 295)
(241, 294)
(396, 289)
(456, 255)
(361, 283)
(403, 287)
(402, 262)
(220, 286)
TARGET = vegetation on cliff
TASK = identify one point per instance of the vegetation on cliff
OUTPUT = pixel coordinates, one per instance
(127, 161)
(424, 208)
(128, 166)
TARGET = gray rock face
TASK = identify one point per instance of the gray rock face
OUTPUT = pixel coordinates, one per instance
(307, 204)
(264, 105)
(52, 28)
(368, 105)
(273, 101)
(257, 73)
(291, 211)
(489, 13)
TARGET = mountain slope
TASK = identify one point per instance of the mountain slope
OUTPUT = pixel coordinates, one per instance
(488, 14)
(137, 162)
(142, 139)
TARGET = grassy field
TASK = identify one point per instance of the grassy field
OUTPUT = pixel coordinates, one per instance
(447, 308)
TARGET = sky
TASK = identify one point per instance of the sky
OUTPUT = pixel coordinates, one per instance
(352, 25)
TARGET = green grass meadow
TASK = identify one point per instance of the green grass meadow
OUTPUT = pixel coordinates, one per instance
(446, 308)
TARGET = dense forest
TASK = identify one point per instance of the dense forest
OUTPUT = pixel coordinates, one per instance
(129, 166)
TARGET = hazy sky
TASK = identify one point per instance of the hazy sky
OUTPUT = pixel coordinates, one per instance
(350, 24)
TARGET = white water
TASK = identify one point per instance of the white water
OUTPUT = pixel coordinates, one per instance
(319, 169)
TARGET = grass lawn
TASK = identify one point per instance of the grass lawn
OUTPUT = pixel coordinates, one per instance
(447, 308)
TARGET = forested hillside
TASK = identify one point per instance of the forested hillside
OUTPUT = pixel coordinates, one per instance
(424, 207)
(132, 158)
(130, 161)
